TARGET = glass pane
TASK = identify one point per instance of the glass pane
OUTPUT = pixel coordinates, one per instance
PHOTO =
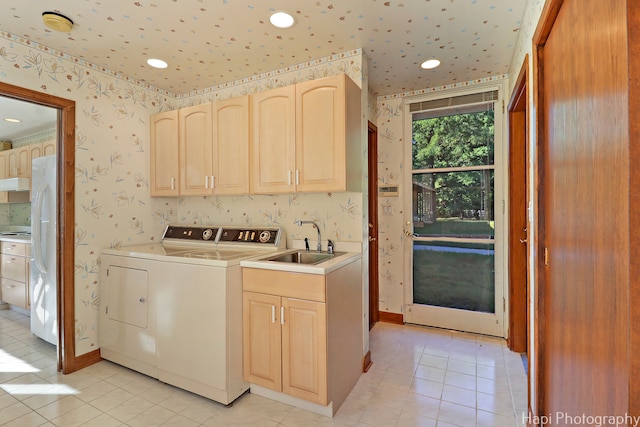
(453, 141)
(454, 275)
(454, 204)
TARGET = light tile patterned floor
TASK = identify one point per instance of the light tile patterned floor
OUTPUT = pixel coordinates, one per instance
(420, 377)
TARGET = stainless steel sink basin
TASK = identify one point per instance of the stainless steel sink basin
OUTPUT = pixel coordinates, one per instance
(302, 257)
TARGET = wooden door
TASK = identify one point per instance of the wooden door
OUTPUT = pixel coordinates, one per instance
(273, 141)
(196, 156)
(374, 304)
(518, 218)
(584, 243)
(304, 350)
(261, 337)
(164, 154)
(231, 146)
(321, 134)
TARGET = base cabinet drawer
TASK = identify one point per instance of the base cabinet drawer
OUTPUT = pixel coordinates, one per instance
(13, 267)
(14, 293)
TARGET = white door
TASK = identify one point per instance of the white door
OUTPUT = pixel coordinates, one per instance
(455, 212)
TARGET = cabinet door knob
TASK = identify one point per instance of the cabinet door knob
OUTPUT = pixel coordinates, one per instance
(142, 299)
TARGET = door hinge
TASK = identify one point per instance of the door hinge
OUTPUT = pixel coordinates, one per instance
(502, 106)
(546, 257)
(504, 305)
(107, 272)
(503, 206)
(106, 310)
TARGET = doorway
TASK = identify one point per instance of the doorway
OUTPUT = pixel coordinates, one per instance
(455, 228)
(374, 292)
(65, 217)
(518, 340)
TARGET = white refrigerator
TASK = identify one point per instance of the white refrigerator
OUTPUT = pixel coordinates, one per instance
(43, 249)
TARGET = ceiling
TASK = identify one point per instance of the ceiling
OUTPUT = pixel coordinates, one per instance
(33, 118)
(211, 42)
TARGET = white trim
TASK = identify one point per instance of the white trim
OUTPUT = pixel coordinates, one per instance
(454, 169)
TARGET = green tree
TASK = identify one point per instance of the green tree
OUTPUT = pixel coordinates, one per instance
(456, 141)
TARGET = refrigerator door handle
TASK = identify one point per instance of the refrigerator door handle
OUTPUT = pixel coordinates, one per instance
(37, 223)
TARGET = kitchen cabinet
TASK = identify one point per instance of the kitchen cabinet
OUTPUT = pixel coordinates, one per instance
(49, 148)
(273, 141)
(19, 162)
(35, 151)
(195, 142)
(302, 333)
(307, 137)
(164, 165)
(14, 273)
(230, 174)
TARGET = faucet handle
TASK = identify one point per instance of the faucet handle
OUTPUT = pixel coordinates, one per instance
(329, 246)
(306, 244)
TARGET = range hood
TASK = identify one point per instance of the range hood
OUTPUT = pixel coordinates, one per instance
(15, 184)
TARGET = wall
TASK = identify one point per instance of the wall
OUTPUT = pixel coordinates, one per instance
(113, 206)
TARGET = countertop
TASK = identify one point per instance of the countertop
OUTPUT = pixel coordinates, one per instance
(349, 252)
(16, 239)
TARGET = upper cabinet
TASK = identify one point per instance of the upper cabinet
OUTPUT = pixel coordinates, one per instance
(49, 148)
(273, 141)
(231, 146)
(205, 146)
(164, 154)
(307, 137)
(19, 162)
(195, 142)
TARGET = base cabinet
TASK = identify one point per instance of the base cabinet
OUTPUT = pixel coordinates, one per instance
(302, 333)
(14, 274)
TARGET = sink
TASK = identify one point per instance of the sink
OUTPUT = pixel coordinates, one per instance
(303, 257)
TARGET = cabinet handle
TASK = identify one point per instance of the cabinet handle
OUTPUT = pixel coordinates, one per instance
(173, 183)
(206, 181)
(297, 176)
(288, 177)
(273, 314)
(213, 182)
(282, 315)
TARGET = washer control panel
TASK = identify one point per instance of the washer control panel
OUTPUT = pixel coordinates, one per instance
(263, 237)
(191, 233)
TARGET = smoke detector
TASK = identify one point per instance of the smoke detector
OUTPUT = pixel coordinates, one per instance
(57, 21)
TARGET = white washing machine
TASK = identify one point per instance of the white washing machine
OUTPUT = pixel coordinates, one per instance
(173, 310)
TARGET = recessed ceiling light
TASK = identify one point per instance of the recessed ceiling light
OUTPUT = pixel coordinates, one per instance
(10, 120)
(57, 21)
(430, 63)
(157, 63)
(281, 20)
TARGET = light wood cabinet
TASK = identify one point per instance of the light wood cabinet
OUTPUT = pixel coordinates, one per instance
(19, 162)
(195, 141)
(14, 274)
(316, 147)
(49, 148)
(302, 333)
(230, 173)
(273, 141)
(35, 151)
(164, 167)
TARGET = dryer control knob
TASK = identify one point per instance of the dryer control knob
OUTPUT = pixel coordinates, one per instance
(206, 234)
(264, 236)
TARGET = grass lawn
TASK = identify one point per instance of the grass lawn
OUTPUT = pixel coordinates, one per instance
(455, 280)
(456, 227)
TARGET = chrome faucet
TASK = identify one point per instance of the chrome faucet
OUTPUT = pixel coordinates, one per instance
(299, 223)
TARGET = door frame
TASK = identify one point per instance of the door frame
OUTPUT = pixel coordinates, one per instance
(374, 289)
(519, 181)
(65, 216)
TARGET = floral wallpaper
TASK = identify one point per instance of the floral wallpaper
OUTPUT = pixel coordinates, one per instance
(113, 206)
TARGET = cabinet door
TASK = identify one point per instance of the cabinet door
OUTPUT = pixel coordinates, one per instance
(304, 350)
(231, 146)
(4, 170)
(195, 150)
(13, 292)
(320, 134)
(261, 339)
(35, 151)
(164, 154)
(19, 162)
(273, 141)
(49, 148)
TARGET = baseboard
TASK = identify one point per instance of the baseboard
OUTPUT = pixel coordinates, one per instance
(87, 359)
(366, 361)
(396, 318)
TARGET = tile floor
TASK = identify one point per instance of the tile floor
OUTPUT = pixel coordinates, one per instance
(420, 377)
